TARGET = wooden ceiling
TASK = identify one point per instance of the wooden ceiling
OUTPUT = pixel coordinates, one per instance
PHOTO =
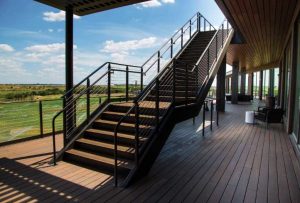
(85, 7)
(264, 26)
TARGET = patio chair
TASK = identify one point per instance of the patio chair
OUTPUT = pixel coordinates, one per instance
(269, 115)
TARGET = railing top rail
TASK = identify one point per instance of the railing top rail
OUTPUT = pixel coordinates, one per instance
(99, 68)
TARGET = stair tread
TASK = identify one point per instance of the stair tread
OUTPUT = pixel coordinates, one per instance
(147, 104)
(102, 144)
(98, 158)
(132, 114)
(122, 124)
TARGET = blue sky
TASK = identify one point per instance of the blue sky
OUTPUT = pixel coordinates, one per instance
(32, 36)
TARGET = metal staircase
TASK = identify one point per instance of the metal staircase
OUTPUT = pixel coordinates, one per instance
(117, 119)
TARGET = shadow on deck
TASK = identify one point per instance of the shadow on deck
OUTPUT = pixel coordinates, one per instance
(233, 162)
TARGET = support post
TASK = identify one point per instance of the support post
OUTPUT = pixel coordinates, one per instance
(235, 83)
(261, 78)
(220, 105)
(243, 82)
(69, 119)
(250, 84)
(271, 83)
(41, 118)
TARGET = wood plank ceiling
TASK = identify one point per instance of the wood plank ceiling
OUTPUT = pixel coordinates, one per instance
(85, 7)
(264, 25)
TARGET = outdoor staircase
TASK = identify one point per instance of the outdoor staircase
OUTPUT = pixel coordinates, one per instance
(124, 138)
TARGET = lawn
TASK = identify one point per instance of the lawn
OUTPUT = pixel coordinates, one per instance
(21, 118)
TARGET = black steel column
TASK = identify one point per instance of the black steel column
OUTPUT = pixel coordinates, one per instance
(271, 83)
(250, 84)
(243, 82)
(69, 122)
(261, 79)
(235, 83)
(221, 84)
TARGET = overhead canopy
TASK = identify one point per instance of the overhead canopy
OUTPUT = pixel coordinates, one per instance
(264, 26)
(85, 7)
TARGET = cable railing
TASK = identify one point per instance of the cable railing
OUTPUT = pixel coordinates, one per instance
(156, 99)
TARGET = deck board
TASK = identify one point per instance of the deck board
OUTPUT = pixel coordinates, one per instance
(234, 162)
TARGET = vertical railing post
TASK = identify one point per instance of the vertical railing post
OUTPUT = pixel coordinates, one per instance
(88, 102)
(54, 142)
(186, 84)
(227, 27)
(181, 37)
(203, 118)
(64, 122)
(222, 35)
(171, 48)
(208, 61)
(137, 131)
(211, 113)
(142, 78)
(198, 21)
(217, 45)
(157, 104)
(41, 118)
(127, 81)
(116, 159)
(190, 28)
(204, 24)
(158, 61)
(109, 83)
(174, 82)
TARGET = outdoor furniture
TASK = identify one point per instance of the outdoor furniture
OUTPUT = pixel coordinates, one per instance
(269, 115)
(249, 117)
(241, 97)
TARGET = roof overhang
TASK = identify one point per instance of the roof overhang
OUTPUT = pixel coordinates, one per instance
(85, 7)
(264, 27)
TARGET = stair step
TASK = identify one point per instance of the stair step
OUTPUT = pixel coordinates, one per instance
(124, 127)
(116, 116)
(105, 148)
(96, 161)
(145, 107)
(100, 135)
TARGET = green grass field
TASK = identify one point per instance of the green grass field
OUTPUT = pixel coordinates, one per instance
(21, 119)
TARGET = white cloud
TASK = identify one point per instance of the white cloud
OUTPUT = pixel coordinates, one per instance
(154, 3)
(56, 17)
(6, 48)
(50, 30)
(168, 1)
(126, 46)
(47, 48)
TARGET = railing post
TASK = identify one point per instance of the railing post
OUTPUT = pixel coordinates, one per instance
(137, 128)
(64, 122)
(203, 118)
(190, 28)
(41, 118)
(181, 37)
(208, 61)
(174, 82)
(88, 102)
(211, 113)
(204, 24)
(198, 21)
(157, 104)
(158, 61)
(142, 78)
(222, 35)
(109, 82)
(54, 142)
(227, 27)
(217, 45)
(186, 84)
(171, 49)
(127, 80)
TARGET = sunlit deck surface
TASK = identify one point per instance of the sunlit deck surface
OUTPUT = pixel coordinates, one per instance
(235, 162)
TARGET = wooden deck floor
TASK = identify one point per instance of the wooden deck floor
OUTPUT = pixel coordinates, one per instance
(235, 162)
